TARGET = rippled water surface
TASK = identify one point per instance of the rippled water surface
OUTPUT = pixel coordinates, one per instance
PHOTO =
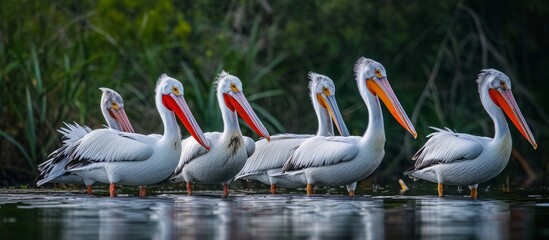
(77, 216)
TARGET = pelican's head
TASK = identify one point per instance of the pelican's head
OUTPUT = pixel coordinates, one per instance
(498, 86)
(373, 73)
(230, 87)
(112, 106)
(171, 91)
(324, 89)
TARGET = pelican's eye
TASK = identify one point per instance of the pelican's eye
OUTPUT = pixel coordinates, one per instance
(377, 73)
(326, 91)
(503, 84)
(234, 88)
(175, 91)
(114, 105)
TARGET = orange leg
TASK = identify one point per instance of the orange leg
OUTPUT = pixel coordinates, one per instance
(474, 193)
(189, 188)
(352, 193)
(225, 190)
(310, 190)
(112, 190)
(89, 189)
(142, 191)
(273, 189)
(440, 190)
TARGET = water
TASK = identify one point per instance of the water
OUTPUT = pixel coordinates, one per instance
(289, 216)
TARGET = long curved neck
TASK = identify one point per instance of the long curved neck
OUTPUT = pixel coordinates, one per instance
(501, 128)
(230, 120)
(325, 126)
(171, 129)
(375, 129)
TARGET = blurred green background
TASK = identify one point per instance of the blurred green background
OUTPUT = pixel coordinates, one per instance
(54, 55)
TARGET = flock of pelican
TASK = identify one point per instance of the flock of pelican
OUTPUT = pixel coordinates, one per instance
(117, 155)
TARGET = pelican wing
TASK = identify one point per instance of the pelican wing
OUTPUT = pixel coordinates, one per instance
(446, 146)
(272, 154)
(191, 149)
(54, 166)
(250, 145)
(322, 151)
(108, 145)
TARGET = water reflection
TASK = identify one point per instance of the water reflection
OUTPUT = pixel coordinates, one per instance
(457, 218)
(278, 217)
(72, 216)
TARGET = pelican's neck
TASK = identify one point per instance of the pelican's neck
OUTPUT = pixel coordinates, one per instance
(501, 127)
(325, 126)
(171, 129)
(111, 123)
(375, 129)
(230, 120)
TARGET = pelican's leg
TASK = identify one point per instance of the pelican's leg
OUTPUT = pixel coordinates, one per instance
(89, 189)
(142, 191)
(310, 190)
(440, 190)
(351, 189)
(189, 188)
(112, 190)
(225, 190)
(273, 189)
(474, 191)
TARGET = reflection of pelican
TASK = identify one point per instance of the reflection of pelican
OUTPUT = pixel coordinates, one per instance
(269, 157)
(463, 159)
(278, 218)
(336, 161)
(53, 169)
(439, 218)
(229, 149)
(99, 218)
(110, 156)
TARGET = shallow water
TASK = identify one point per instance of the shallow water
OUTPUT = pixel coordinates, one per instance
(209, 216)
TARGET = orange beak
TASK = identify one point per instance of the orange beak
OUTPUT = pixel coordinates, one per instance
(177, 104)
(330, 104)
(236, 101)
(384, 91)
(505, 100)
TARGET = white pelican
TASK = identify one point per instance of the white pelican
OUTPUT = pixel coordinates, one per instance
(53, 169)
(269, 157)
(229, 149)
(115, 157)
(336, 161)
(462, 159)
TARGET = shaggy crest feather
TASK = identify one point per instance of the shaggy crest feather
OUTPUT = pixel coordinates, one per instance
(359, 63)
(221, 76)
(160, 79)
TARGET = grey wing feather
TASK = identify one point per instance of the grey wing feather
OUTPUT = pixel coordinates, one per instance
(271, 154)
(322, 151)
(446, 146)
(56, 163)
(250, 146)
(108, 145)
(191, 149)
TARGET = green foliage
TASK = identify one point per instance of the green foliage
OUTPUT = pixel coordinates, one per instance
(54, 56)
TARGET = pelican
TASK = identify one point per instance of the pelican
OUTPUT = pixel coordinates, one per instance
(336, 161)
(53, 169)
(462, 159)
(114, 157)
(269, 157)
(229, 149)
